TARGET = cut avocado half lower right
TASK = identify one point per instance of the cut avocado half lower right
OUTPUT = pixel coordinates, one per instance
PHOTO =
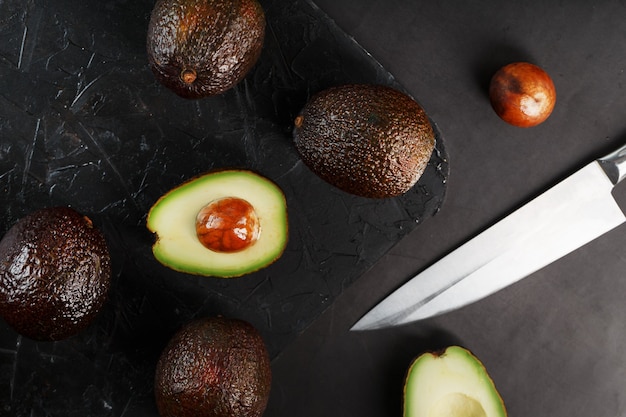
(224, 224)
(452, 383)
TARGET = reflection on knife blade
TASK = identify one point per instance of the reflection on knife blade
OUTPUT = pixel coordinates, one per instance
(564, 218)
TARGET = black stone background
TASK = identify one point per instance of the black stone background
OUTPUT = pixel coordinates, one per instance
(83, 123)
(554, 343)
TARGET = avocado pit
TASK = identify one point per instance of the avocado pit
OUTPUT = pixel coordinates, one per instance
(225, 223)
(228, 224)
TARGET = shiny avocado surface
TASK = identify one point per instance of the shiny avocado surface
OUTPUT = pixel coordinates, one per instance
(55, 274)
(369, 140)
(200, 48)
(214, 367)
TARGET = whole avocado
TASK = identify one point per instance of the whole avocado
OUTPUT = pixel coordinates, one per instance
(213, 367)
(200, 48)
(369, 140)
(55, 274)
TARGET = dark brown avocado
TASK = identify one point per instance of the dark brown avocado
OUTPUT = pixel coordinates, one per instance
(214, 367)
(54, 274)
(369, 140)
(200, 48)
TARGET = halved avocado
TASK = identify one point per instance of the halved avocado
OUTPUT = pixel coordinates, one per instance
(260, 235)
(450, 383)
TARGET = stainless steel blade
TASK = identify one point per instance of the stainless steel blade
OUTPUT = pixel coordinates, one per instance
(567, 216)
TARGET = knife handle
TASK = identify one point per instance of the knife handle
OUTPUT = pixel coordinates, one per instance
(614, 165)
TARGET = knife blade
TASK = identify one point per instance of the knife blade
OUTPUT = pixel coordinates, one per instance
(567, 216)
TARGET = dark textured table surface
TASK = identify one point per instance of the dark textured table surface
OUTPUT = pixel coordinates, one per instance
(84, 123)
(554, 342)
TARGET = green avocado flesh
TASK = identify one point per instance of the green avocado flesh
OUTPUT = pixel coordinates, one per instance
(451, 384)
(173, 217)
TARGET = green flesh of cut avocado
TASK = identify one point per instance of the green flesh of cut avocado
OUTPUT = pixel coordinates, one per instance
(451, 384)
(173, 220)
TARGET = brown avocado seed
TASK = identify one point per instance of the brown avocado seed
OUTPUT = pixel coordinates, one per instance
(227, 225)
(522, 94)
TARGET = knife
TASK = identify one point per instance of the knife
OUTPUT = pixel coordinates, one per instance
(565, 217)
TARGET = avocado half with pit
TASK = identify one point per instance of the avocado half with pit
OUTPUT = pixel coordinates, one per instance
(450, 383)
(224, 224)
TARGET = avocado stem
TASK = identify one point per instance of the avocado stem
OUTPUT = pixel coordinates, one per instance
(88, 222)
(188, 76)
(299, 120)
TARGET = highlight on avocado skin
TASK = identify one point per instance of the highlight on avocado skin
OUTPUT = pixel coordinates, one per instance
(201, 48)
(213, 367)
(55, 274)
(368, 140)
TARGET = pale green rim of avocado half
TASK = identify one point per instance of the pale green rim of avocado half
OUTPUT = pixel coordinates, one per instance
(172, 220)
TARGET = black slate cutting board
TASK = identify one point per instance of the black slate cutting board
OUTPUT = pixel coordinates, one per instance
(83, 123)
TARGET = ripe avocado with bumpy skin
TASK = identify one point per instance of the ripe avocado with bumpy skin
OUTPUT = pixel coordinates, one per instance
(368, 140)
(213, 367)
(55, 274)
(225, 224)
(450, 383)
(200, 48)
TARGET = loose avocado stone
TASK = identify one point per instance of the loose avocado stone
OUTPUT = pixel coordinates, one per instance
(368, 140)
(200, 48)
(452, 383)
(213, 367)
(223, 224)
(54, 274)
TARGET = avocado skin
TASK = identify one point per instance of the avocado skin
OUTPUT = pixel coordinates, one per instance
(220, 40)
(55, 274)
(213, 367)
(369, 140)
